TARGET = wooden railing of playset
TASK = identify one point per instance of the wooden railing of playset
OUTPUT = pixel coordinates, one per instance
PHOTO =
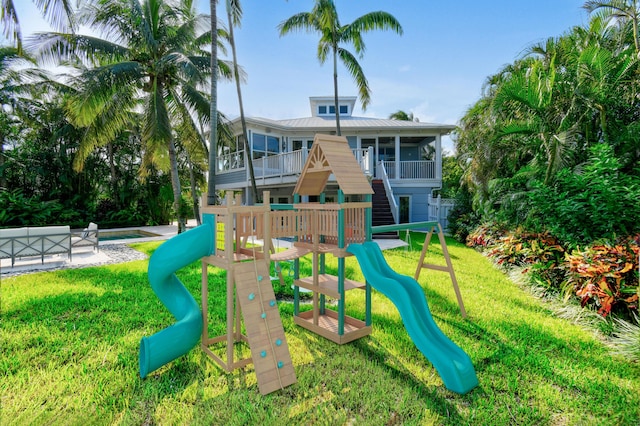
(314, 226)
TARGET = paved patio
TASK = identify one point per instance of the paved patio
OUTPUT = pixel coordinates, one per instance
(112, 251)
(116, 251)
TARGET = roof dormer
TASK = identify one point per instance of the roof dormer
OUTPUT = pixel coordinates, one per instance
(324, 106)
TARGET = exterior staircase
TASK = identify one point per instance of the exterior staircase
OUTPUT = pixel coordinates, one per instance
(381, 210)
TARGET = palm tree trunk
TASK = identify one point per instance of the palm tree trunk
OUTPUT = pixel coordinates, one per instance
(175, 185)
(194, 191)
(114, 177)
(335, 89)
(213, 134)
(245, 133)
(3, 179)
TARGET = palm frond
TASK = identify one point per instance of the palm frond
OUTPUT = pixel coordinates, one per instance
(197, 102)
(371, 21)
(10, 23)
(99, 87)
(156, 122)
(303, 21)
(59, 13)
(56, 48)
(115, 117)
(236, 11)
(354, 68)
(187, 129)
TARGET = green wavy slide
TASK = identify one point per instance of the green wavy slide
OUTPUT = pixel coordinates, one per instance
(452, 363)
(179, 338)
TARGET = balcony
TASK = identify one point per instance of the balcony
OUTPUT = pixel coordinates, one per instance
(410, 169)
(287, 164)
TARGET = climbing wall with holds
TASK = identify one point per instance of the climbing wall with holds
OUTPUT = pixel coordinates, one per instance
(269, 350)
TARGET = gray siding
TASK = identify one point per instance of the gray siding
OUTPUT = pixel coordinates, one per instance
(239, 177)
(353, 141)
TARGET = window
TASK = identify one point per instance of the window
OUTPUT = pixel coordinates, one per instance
(404, 208)
(331, 109)
(265, 145)
(386, 153)
(299, 144)
(428, 151)
(230, 153)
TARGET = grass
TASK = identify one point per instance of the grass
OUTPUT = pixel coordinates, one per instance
(70, 356)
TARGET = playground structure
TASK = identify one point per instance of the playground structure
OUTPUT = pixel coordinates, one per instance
(339, 229)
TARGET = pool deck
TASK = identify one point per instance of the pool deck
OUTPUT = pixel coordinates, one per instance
(116, 251)
(111, 251)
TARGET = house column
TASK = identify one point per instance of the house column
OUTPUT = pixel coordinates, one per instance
(397, 158)
(439, 157)
(377, 156)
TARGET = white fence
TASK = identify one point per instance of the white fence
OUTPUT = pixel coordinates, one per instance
(439, 209)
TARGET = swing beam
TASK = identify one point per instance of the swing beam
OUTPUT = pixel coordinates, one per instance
(429, 226)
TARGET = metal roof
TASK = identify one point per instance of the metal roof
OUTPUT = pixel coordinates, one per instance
(349, 124)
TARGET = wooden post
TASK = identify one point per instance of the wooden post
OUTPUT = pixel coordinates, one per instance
(367, 289)
(447, 258)
(341, 268)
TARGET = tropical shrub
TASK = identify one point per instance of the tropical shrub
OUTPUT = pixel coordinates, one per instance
(20, 210)
(540, 254)
(606, 276)
(584, 205)
(462, 219)
(485, 235)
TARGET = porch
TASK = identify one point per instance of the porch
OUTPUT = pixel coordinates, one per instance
(289, 165)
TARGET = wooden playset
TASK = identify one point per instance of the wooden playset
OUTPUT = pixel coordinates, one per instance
(243, 248)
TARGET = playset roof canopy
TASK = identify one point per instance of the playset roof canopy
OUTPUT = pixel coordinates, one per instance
(332, 155)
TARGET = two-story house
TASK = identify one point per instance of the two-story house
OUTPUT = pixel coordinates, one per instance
(402, 158)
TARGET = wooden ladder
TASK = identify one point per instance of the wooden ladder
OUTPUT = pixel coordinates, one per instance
(265, 334)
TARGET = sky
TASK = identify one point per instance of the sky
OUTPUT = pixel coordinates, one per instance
(435, 70)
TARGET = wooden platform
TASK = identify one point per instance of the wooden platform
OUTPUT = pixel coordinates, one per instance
(327, 326)
(328, 284)
(265, 334)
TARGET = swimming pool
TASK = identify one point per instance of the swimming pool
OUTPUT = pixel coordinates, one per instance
(126, 234)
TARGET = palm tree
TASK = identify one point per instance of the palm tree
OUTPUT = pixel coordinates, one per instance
(213, 106)
(529, 99)
(150, 69)
(18, 80)
(234, 15)
(623, 10)
(58, 12)
(403, 116)
(323, 19)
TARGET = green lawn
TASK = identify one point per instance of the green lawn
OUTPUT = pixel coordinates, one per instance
(70, 356)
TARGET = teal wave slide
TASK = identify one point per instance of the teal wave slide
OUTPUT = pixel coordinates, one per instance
(452, 363)
(179, 338)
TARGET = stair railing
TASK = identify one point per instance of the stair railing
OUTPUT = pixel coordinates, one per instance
(382, 174)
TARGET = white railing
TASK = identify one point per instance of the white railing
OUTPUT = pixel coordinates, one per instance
(382, 174)
(411, 169)
(230, 162)
(439, 209)
(365, 159)
(286, 164)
